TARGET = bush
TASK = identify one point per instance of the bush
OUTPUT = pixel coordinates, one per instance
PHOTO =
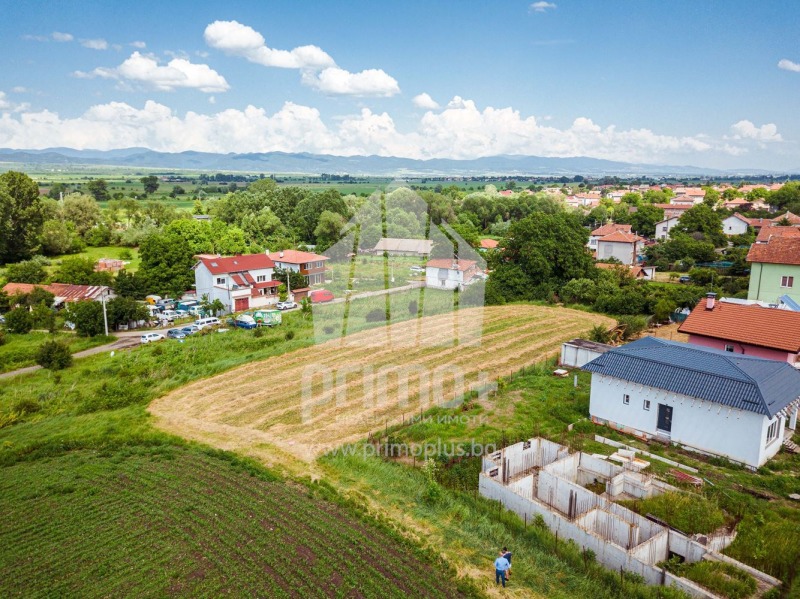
(289, 335)
(2, 337)
(413, 307)
(376, 315)
(599, 334)
(632, 326)
(19, 321)
(54, 355)
(258, 333)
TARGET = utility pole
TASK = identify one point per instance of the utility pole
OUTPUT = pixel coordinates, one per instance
(105, 316)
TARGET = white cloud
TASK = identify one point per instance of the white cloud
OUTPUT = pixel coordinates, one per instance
(425, 101)
(336, 81)
(460, 131)
(95, 44)
(319, 70)
(7, 105)
(177, 73)
(20, 89)
(58, 36)
(237, 39)
(212, 100)
(35, 38)
(542, 6)
(747, 130)
(788, 65)
(139, 45)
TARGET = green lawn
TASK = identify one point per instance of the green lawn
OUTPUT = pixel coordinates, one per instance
(111, 251)
(20, 350)
(369, 273)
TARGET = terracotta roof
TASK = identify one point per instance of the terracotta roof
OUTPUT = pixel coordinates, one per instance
(609, 229)
(673, 206)
(489, 244)
(621, 237)
(448, 264)
(792, 218)
(766, 233)
(754, 325)
(15, 288)
(296, 257)
(219, 266)
(63, 291)
(779, 250)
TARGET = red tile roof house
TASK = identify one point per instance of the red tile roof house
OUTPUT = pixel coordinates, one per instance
(239, 282)
(607, 229)
(308, 264)
(64, 292)
(622, 245)
(446, 273)
(745, 329)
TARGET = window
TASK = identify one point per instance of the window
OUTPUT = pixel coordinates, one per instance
(729, 348)
(646, 404)
(626, 399)
(261, 278)
(772, 431)
(787, 281)
(220, 280)
(663, 228)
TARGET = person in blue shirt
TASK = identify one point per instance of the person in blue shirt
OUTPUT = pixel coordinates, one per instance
(501, 565)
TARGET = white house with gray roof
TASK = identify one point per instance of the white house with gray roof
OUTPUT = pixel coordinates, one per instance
(712, 401)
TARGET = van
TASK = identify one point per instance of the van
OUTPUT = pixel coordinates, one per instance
(320, 295)
(196, 311)
(152, 299)
(186, 304)
(202, 323)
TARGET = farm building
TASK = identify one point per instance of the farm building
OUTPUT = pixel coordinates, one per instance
(239, 282)
(712, 401)
(308, 264)
(578, 352)
(446, 273)
(540, 478)
(64, 293)
(752, 330)
(404, 247)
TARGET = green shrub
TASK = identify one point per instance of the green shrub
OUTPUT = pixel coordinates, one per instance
(2, 337)
(54, 355)
(376, 315)
(258, 333)
(632, 326)
(19, 321)
(289, 335)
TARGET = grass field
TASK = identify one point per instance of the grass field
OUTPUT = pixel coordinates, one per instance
(20, 350)
(172, 521)
(381, 377)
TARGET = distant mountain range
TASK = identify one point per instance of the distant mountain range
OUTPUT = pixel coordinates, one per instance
(385, 166)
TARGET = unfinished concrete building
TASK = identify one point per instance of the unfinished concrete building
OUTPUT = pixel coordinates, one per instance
(539, 477)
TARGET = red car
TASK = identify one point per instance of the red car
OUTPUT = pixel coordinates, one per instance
(321, 295)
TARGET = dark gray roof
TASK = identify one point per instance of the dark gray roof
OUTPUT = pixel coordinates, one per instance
(747, 383)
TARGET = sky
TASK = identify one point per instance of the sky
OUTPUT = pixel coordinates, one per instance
(705, 83)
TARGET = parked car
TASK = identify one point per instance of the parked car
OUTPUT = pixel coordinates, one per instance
(181, 313)
(245, 321)
(286, 305)
(190, 329)
(150, 337)
(211, 321)
(166, 304)
(152, 299)
(321, 295)
(685, 279)
(417, 270)
(176, 334)
(196, 311)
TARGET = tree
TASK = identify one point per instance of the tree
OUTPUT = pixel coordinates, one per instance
(328, 229)
(27, 271)
(177, 190)
(645, 218)
(80, 271)
(54, 355)
(87, 316)
(583, 291)
(99, 189)
(297, 280)
(541, 253)
(82, 210)
(150, 183)
(21, 217)
(263, 185)
(59, 237)
(19, 321)
(130, 284)
(57, 190)
(786, 198)
(704, 220)
(166, 263)
(711, 198)
(122, 310)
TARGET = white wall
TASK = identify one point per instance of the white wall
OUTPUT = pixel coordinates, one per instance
(734, 226)
(454, 278)
(703, 425)
(624, 252)
(663, 228)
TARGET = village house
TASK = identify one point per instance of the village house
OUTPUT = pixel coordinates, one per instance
(308, 264)
(673, 210)
(738, 328)
(643, 273)
(663, 227)
(767, 233)
(64, 293)
(447, 273)
(775, 269)
(735, 224)
(239, 282)
(689, 195)
(622, 245)
(404, 247)
(604, 230)
(488, 244)
(715, 402)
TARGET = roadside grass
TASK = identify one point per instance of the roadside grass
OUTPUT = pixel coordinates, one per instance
(19, 351)
(175, 520)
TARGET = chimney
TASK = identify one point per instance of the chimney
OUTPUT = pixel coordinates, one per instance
(281, 254)
(711, 300)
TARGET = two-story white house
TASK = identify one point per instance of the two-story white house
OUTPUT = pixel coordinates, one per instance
(735, 224)
(447, 273)
(663, 227)
(622, 245)
(604, 230)
(239, 282)
(716, 402)
(308, 264)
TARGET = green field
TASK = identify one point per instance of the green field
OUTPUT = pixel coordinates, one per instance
(171, 521)
(20, 350)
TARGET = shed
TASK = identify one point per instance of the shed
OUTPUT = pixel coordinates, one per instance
(578, 352)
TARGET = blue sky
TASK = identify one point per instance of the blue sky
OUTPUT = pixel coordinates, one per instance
(660, 82)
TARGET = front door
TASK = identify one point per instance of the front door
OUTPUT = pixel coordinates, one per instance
(664, 418)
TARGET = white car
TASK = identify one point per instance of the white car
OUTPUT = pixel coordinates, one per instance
(150, 337)
(417, 270)
(286, 305)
